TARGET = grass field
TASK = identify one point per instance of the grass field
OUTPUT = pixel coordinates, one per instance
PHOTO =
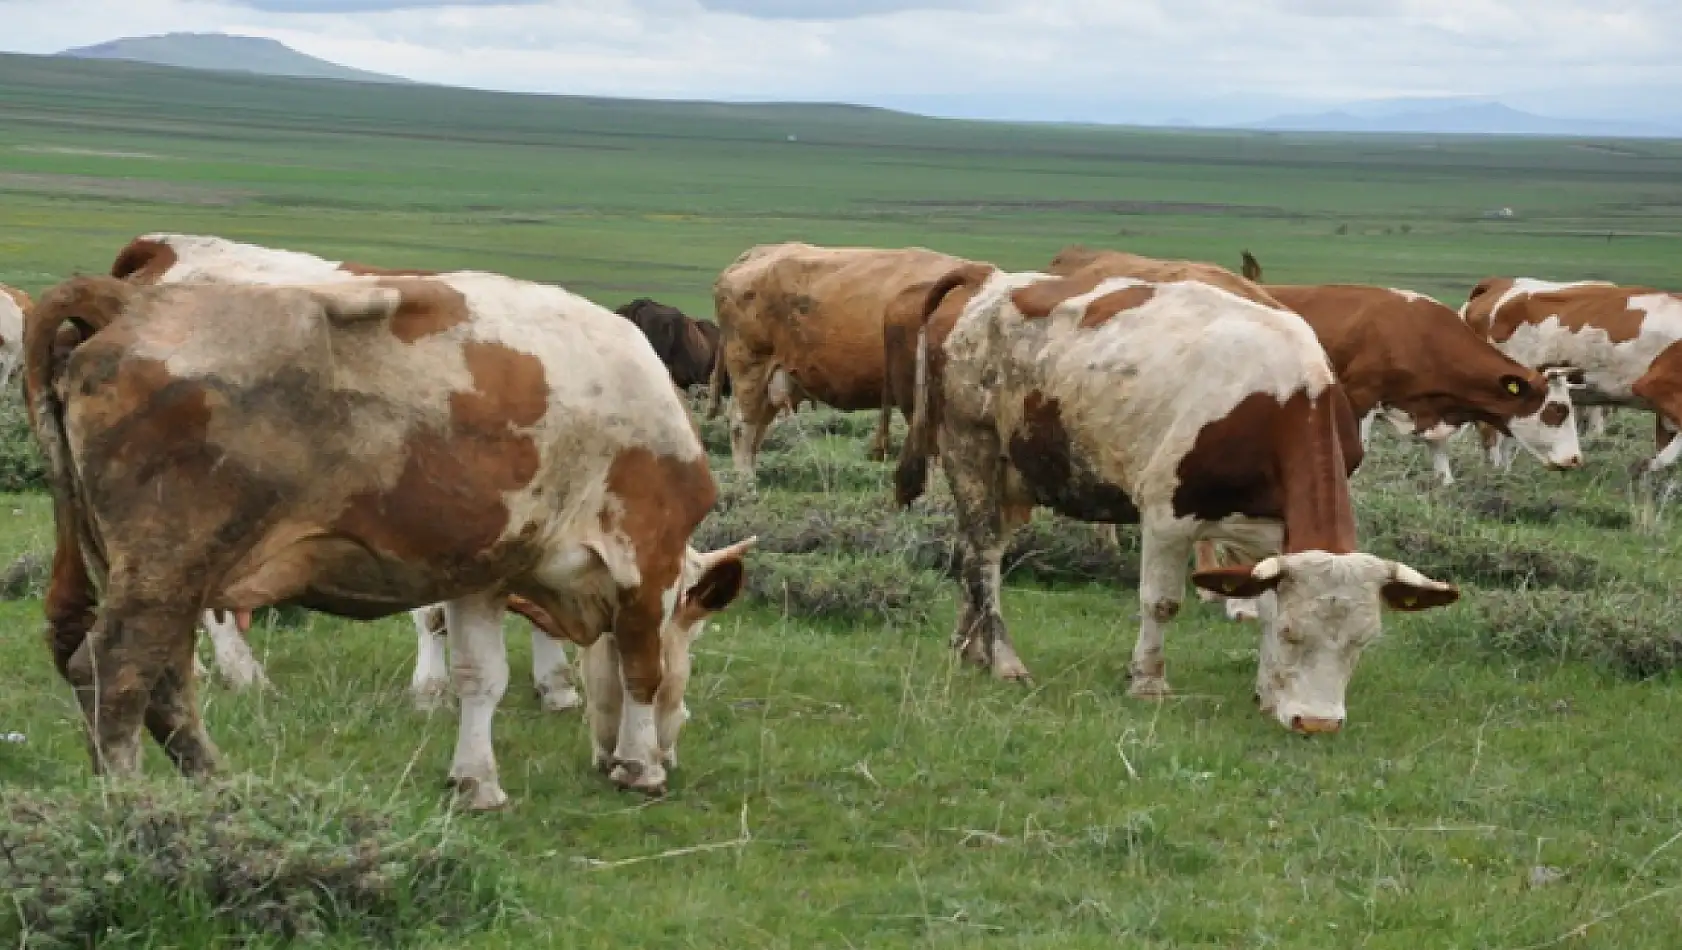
(1507, 778)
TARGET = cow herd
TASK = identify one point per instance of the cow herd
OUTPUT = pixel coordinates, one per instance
(228, 427)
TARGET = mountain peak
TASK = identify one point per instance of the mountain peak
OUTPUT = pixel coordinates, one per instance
(225, 52)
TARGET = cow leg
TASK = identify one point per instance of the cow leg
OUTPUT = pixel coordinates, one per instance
(552, 674)
(751, 415)
(116, 672)
(636, 632)
(604, 697)
(1439, 461)
(1205, 557)
(879, 443)
(1106, 533)
(1162, 585)
(1366, 429)
(479, 669)
(985, 522)
(1594, 421)
(670, 711)
(1494, 446)
(172, 716)
(234, 659)
(431, 681)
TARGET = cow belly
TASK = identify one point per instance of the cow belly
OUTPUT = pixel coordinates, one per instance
(1067, 485)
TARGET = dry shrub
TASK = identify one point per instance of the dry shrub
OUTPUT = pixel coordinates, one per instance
(878, 589)
(241, 862)
(1435, 539)
(1633, 631)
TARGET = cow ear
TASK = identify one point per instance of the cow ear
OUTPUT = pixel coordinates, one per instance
(722, 577)
(1241, 582)
(1408, 589)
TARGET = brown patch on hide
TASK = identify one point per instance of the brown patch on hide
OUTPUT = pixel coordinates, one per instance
(1037, 301)
(427, 307)
(1102, 310)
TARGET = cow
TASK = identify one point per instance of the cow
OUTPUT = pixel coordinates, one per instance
(1618, 338)
(1411, 359)
(688, 347)
(175, 258)
(363, 448)
(1175, 405)
(804, 323)
(14, 304)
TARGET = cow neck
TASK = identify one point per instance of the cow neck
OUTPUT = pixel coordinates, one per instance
(1313, 476)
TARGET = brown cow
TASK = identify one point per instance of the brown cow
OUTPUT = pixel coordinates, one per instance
(1182, 408)
(1617, 337)
(800, 323)
(174, 258)
(1413, 359)
(363, 448)
(688, 347)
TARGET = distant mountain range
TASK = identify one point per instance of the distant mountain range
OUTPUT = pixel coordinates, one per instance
(1647, 112)
(219, 51)
(1472, 116)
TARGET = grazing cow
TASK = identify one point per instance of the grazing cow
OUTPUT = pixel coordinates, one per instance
(1414, 360)
(687, 347)
(363, 448)
(1618, 338)
(176, 258)
(13, 305)
(1177, 406)
(802, 323)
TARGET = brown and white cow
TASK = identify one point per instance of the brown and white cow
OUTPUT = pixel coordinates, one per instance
(363, 448)
(176, 258)
(1413, 360)
(1618, 338)
(800, 323)
(1180, 407)
(687, 346)
(14, 304)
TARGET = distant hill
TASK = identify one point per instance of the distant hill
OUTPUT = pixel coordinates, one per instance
(1468, 116)
(219, 51)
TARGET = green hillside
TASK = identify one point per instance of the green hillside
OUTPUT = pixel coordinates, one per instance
(1505, 779)
(221, 52)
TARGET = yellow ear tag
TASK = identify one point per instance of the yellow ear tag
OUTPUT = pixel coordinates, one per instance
(1409, 600)
(1512, 387)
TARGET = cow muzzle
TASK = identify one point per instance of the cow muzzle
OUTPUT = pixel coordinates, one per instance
(1565, 464)
(1315, 725)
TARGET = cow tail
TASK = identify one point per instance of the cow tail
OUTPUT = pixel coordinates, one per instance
(88, 305)
(911, 475)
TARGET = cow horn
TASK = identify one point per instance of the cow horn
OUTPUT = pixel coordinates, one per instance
(1267, 569)
(738, 549)
(1406, 575)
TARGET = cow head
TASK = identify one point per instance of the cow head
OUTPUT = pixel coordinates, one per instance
(1550, 434)
(1324, 611)
(708, 584)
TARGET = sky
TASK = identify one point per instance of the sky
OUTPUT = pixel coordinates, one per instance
(1206, 61)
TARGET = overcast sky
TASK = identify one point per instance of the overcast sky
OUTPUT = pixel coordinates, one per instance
(1147, 60)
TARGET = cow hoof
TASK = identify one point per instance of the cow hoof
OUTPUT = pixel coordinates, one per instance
(430, 695)
(638, 777)
(1149, 687)
(478, 794)
(973, 651)
(247, 680)
(557, 699)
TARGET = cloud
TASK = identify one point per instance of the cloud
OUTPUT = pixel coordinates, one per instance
(829, 9)
(1110, 60)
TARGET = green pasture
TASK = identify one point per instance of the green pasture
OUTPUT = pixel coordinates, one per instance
(1511, 773)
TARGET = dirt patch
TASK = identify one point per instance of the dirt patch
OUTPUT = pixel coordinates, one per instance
(127, 189)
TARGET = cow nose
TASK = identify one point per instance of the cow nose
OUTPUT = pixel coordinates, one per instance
(1313, 725)
(1575, 461)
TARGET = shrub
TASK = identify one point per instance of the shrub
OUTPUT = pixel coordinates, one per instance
(1635, 632)
(251, 861)
(1443, 543)
(844, 588)
(21, 467)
